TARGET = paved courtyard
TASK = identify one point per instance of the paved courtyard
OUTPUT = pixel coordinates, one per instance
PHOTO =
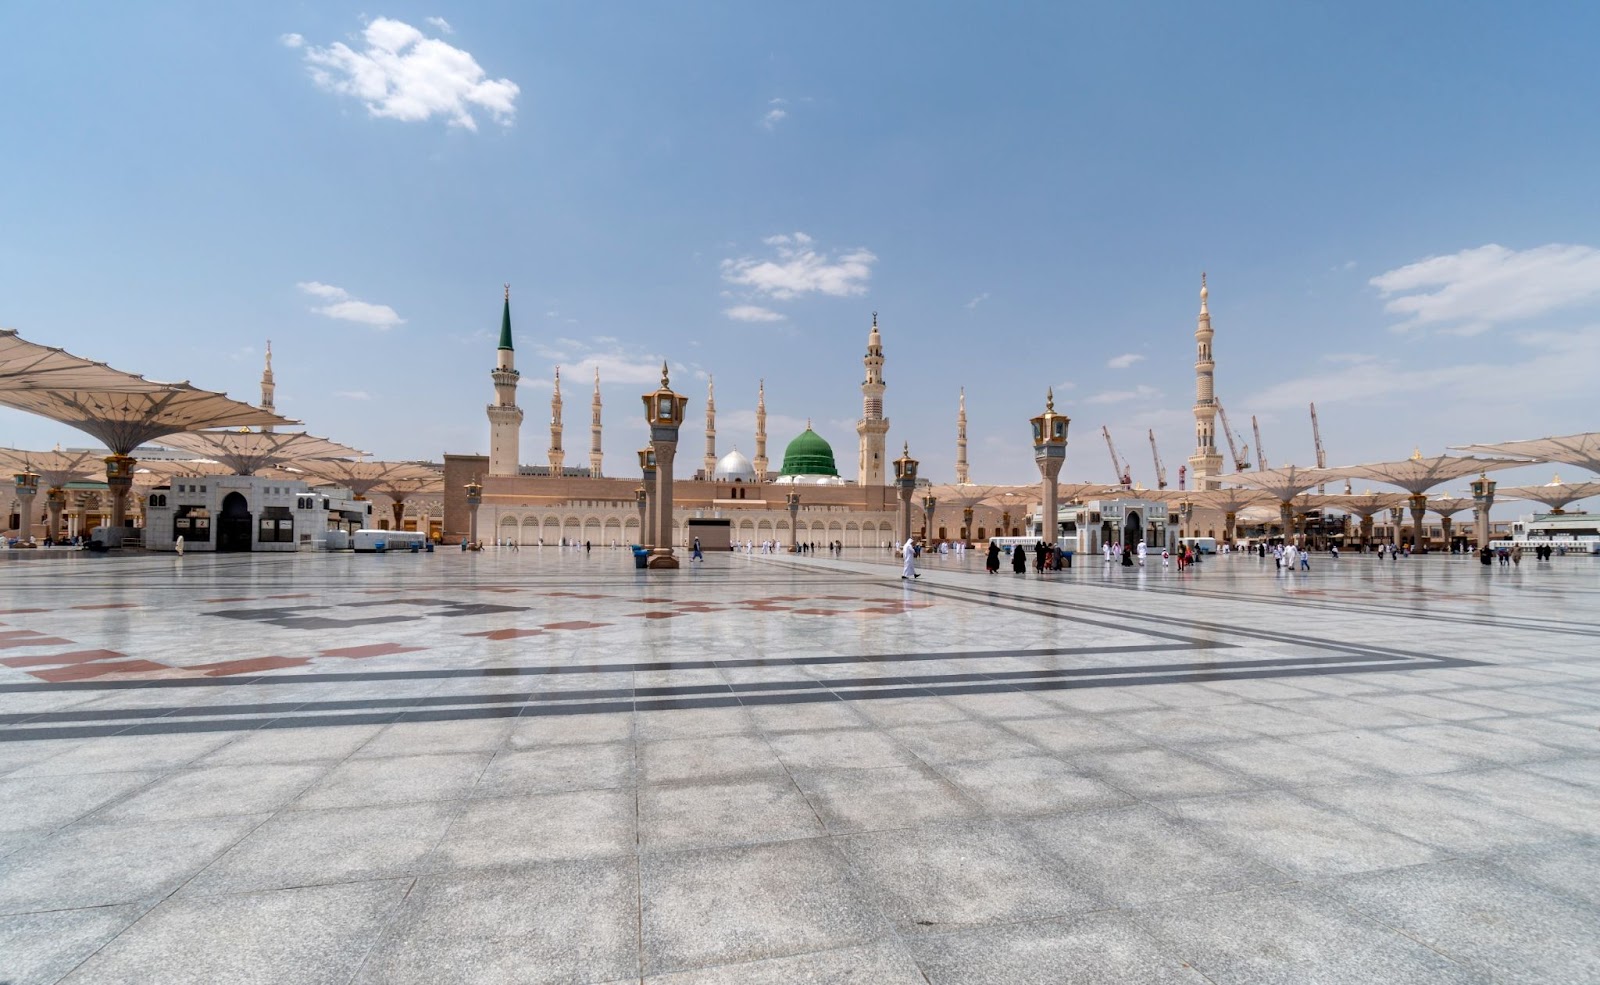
(545, 766)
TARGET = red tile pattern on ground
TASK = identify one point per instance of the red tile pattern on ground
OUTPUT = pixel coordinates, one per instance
(57, 659)
(252, 665)
(370, 650)
(507, 634)
(85, 671)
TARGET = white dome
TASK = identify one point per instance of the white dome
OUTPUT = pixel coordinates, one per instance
(734, 466)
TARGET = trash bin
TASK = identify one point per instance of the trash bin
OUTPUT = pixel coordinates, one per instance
(641, 556)
(1066, 559)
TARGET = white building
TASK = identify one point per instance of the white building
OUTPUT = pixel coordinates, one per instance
(248, 513)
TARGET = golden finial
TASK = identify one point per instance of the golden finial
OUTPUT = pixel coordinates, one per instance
(508, 292)
(1557, 480)
(664, 385)
(905, 449)
(1416, 453)
(1050, 399)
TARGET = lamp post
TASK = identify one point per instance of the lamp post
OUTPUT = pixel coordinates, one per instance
(1482, 500)
(1396, 515)
(1050, 453)
(905, 477)
(929, 504)
(647, 468)
(55, 499)
(1186, 514)
(793, 502)
(27, 488)
(119, 479)
(474, 500)
(644, 502)
(966, 522)
(663, 408)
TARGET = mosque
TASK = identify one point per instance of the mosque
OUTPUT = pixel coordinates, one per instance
(735, 497)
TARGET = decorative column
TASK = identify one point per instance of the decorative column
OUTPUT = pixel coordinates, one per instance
(1482, 500)
(119, 478)
(1396, 515)
(647, 468)
(905, 476)
(664, 410)
(1366, 532)
(398, 508)
(967, 527)
(644, 505)
(474, 500)
(1230, 521)
(1446, 522)
(55, 500)
(793, 502)
(929, 504)
(1419, 506)
(27, 488)
(1050, 453)
(1286, 520)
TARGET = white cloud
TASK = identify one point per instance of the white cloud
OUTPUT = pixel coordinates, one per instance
(352, 394)
(773, 117)
(798, 269)
(973, 304)
(441, 24)
(346, 308)
(1124, 361)
(617, 363)
(291, 40)
(1140, 392)
(752, 313)
(401, 74)
(1481, 287)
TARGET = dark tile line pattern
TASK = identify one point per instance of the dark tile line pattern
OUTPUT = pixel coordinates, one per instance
(548, 704)
(658, 691)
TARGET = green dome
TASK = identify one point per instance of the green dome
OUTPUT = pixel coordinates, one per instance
(809, 455)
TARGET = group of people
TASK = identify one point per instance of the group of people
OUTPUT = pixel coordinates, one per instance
(1509, 555)
(1129, 553)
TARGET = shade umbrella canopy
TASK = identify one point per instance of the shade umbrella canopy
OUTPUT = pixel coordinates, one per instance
(362, 478)
(124, 420)
(27, 365)
(1419, 473)
(1557, 495)
(247, 452)
(1284, 482)
(1581, 450)
(56, 468)
(1365, 504)
(1448, 506)
(1235, 499)
(155, 473)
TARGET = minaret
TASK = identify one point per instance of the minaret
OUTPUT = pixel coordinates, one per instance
(557, 456)
(594, 428)
(711, 427)
(1205, 464)
(267, 386)
(505, 417)
(961, 440)
(760, 463)
(873, 426)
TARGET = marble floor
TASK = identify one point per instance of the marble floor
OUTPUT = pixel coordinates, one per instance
(546, 766)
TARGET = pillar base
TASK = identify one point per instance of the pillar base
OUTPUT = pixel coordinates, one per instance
(664, 561)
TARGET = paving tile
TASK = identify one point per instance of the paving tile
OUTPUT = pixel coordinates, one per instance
(728, 812)
(936, 879)
(1444, 820)
(555, 923)
(535, 733)
(715, 758)
(347, 844)
(1570, 869)
(40, 948)
(893, 797)
(437, 738)
(949, 742)
(1560, 805)
(1030, 785)
(313, 935)
(124, 753)
(395, 780)
(807, 717)
(1383, 752)
(720, 906)
(839, 749)
(1071, 736)
(1272, 762)
(539, 828)
(874, 964)
(550, 769)
(1279, 935)
(1483, 917)
(291, 745)
(1298, 837)
(215, 791)
(1138, 855)
(1161, 773)
(1099, 949)
(32, 802)
(104, 864)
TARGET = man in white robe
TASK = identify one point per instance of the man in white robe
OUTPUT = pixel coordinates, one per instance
(909, 559)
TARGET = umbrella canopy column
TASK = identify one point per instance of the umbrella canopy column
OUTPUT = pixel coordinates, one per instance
(27, 489)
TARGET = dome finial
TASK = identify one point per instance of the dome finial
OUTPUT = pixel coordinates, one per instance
(508, 292)
(1050, 399)
(664, 384)
(808, 424)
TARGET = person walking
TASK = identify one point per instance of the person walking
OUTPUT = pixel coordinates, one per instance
(1516, 554)
(993, 561)
(1019, 559)
(697, 554)
(909, 560)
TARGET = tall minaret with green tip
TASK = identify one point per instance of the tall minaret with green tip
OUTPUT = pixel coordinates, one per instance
(505, 417)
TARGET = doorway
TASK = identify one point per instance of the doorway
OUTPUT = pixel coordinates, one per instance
(233, 525)
(1132, 530)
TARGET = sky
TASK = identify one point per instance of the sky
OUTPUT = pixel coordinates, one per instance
(1394, 204)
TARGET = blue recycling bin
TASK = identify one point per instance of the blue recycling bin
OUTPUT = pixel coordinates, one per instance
(641, 556)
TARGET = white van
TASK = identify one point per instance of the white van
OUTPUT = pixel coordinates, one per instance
(368, 541)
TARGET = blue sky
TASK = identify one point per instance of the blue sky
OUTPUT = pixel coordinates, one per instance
(1395, 204)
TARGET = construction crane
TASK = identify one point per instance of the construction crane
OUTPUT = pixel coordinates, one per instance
(1322, 456)
(1118, 466)
(1261, 453)
(1183, 470)
(1240, 462)
(1161, 470)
